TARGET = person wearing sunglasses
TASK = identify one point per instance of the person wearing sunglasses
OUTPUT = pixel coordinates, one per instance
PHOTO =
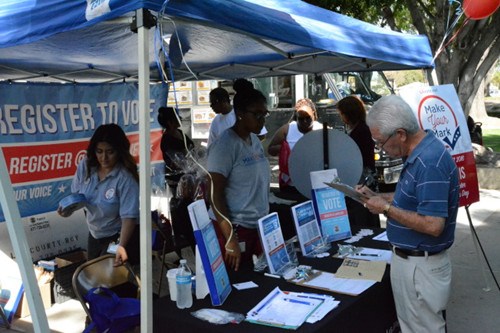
(239, 178)
(285, 138)
(421, 215)
(353, 113)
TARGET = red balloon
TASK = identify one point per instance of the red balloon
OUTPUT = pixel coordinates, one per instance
(480, 9)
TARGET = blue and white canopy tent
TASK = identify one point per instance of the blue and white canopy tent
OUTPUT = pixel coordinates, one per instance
(91, 41)
(69, 41)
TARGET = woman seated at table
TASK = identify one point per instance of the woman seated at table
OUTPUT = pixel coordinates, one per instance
(285, 138)
(240, 175)
(174, 146)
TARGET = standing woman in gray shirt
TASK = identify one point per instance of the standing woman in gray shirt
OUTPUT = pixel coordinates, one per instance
(239, 177)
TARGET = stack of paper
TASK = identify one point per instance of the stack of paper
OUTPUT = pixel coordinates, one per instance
(290, 310)
(330, 282)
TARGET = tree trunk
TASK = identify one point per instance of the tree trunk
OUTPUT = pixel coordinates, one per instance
(471, 51)
(478, 110)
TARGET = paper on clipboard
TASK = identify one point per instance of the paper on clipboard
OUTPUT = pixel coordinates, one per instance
(361, 270)
(330, 282)
(283, 310)
(348, 191)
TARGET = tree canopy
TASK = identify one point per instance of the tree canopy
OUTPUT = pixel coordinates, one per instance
(466, 49)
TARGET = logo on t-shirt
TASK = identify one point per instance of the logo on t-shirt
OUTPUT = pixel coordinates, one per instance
(109, 194)
(253, 158)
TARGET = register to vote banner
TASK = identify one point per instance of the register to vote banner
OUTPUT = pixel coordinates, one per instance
(44, 133)
(438, 109)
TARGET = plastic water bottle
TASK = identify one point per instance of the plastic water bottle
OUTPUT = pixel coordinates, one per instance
(183, 283)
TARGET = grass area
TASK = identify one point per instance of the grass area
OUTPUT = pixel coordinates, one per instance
(491, 138)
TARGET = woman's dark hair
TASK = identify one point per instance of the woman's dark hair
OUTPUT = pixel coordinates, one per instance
(166, 115)
(353, 109)
(246, 95)
(114, 136)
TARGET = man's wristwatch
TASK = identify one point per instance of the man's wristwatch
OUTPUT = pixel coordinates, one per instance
(386, 209)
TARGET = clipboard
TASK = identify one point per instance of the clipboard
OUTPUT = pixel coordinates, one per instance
(330, 282)
(348, 191)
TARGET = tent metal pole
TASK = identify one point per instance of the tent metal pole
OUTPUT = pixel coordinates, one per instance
(145, 174)
(21, 249)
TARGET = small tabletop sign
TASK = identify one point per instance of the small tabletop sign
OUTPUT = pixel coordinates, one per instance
(330, 206)
(308, 231)
(210, 253)
(274, 245)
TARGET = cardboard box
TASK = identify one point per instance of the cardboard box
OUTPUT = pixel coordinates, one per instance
(45, 291)
(70, 258)
(67, 264)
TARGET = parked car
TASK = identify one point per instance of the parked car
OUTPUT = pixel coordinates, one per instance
(388, 170)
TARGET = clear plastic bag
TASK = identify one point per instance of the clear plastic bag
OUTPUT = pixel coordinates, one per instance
(218, 317)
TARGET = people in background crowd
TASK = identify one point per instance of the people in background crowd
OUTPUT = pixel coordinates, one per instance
(174, 146)
(353, 114)
(285, 138)
(225, 116)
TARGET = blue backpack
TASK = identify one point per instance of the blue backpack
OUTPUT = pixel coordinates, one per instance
(110, 313)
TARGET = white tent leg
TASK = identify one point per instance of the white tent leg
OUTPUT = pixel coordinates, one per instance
(145, 176)
(21, 249)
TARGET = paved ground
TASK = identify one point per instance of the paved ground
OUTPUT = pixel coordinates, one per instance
(475, 301)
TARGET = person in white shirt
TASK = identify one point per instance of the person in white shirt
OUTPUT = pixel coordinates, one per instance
(225, 118)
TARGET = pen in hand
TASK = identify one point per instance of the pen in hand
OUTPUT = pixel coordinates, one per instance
(365, 181)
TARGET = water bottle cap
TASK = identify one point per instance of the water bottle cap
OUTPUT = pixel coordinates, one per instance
(182, 261)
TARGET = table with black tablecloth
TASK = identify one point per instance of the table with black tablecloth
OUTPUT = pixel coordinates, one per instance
(371, 311)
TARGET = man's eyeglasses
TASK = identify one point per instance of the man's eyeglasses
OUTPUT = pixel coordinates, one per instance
(260, 116)
(377, 143)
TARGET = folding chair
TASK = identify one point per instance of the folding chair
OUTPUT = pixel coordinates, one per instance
(100, 272)
(5, 321)
(162, 226)
(170, 242)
